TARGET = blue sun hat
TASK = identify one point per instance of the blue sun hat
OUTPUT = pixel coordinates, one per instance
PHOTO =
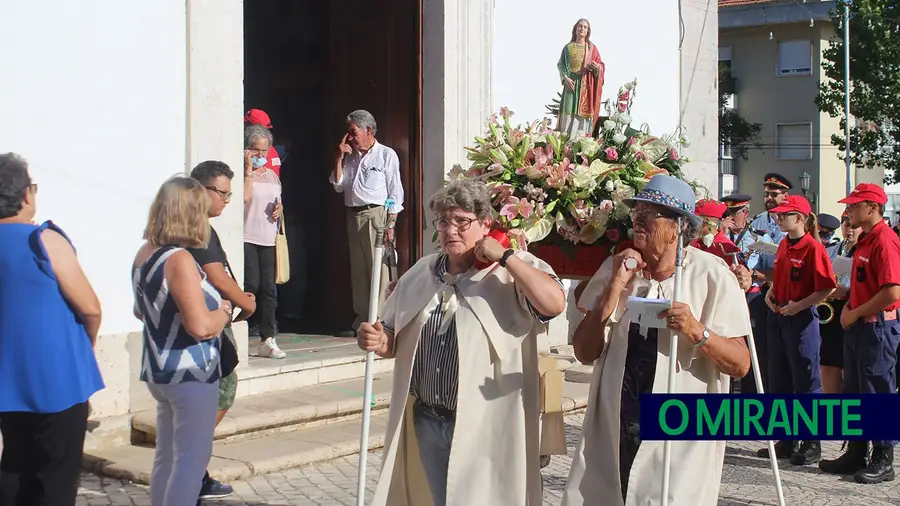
(671, 193)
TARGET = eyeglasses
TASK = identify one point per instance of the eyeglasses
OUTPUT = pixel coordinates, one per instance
(773, 195)
(783, 216)
(646, 216)
(33, 187)
(461, 224)
(226, 196)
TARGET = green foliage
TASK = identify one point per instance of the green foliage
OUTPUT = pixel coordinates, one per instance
(553, 108)
(875, 82)
(734, 130)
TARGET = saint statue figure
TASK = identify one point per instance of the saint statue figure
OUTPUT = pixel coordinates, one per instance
(582, 73)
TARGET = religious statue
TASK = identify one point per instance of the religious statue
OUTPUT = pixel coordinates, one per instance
(582, 73)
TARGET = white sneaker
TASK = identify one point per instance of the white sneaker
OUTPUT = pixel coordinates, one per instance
(269, 349)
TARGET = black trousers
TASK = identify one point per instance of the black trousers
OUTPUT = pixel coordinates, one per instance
(259, 279)
(759, 315)
(41, 459)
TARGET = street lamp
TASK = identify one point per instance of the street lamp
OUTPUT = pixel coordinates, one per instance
(804, 187)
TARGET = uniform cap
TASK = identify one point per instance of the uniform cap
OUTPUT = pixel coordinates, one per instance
(828, 221)
(258, 117)
(793, 204)
(777, 180)
(736, 200)
(710, 209)
(865, 192)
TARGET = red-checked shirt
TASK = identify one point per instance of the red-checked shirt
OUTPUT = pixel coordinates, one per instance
(876, 263)
(273, 161)
(721, 247)
(801, 269)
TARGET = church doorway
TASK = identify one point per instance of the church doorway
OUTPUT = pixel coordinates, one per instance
(308, 63)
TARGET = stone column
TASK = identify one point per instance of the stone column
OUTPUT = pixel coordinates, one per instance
(456, 92)
(700, 88)
(215, 97)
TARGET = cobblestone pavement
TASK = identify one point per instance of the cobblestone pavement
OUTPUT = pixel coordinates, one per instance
(746, 480)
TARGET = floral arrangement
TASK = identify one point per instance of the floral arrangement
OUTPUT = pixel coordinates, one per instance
(551, 189)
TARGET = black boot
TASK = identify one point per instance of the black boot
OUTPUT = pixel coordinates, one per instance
(850, 462)
(810, 452)
(783, 450)
(880, 466)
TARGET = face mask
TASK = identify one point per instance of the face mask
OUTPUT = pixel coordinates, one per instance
(708, 240)
(257, 162)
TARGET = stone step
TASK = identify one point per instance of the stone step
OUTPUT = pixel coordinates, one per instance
(237, 460)
(310, 360)
(294, 436)
(287, 410)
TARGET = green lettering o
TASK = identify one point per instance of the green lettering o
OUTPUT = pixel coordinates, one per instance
(662, 417)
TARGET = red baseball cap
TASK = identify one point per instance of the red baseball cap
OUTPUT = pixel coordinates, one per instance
(865, 192)
(258, 117)
(793, 204)
(710, 209)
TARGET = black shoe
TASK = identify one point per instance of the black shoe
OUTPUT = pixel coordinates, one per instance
(853, 460)
(783, 450)
(880, 466)
(810, 452)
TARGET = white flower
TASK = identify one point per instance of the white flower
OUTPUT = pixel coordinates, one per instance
(609, 125)
(609, 185)
(584, 177)
(685, 141)
(619, 138)
(708, 240)
(624, 119)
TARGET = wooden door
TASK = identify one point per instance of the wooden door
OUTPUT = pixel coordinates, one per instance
(374, 64)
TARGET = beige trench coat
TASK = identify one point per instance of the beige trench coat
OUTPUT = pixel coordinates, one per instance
(495, 449)
(717, 301)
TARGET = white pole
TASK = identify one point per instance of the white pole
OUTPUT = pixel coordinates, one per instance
(847, 93)
(374, 292)
(773, 460)
(673, 359)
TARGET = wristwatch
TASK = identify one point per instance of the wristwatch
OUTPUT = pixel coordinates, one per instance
(701, 342)
(506, 254)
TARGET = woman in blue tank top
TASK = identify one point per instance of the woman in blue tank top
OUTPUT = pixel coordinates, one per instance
(49, 319)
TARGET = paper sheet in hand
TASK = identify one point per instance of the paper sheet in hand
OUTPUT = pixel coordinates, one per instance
(841, 265)
(764, 247)
(645, 311)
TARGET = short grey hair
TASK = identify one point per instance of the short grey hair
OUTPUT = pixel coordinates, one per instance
(253, 132)
(363, 119)
(466, 195)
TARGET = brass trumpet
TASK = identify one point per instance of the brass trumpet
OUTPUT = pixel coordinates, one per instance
(825, 308)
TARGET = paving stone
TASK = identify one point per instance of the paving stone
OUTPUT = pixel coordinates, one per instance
(746, 480)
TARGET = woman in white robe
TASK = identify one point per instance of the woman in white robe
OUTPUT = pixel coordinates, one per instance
(463, 427)
(709, 319)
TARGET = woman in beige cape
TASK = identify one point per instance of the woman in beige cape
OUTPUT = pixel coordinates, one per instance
(610, 461)
(477, 426)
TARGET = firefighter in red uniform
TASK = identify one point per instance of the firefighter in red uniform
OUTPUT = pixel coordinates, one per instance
(872, 329)
(802, 277)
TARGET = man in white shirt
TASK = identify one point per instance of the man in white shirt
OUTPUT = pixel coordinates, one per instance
(368, 174)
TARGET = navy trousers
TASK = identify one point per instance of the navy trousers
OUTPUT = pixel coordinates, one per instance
(794, 344)
(870, 359)
(759, 313)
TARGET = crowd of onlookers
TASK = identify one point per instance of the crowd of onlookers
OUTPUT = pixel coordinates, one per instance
(185, 295)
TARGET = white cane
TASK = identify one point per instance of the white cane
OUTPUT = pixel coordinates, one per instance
(673, 360)
(374, 292)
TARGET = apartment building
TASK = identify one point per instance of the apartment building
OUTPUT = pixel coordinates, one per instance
(773, 52)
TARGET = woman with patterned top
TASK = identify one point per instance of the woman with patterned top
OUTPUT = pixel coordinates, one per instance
(262, 212)
(465, 408)
(183, 317)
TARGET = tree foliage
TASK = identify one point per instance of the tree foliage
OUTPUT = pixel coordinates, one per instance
(734, 130)
(875, 83)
